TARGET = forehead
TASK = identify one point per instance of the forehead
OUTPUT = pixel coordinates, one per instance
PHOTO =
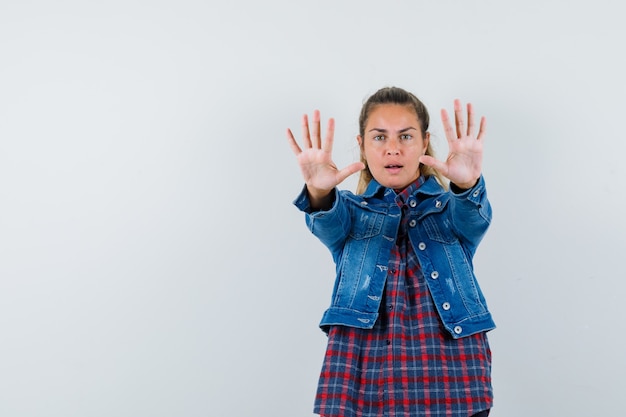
(392, 116)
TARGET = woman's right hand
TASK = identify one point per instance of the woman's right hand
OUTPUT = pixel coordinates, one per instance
(319, 171)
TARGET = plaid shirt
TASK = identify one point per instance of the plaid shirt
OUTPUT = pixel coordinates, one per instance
(407, 365)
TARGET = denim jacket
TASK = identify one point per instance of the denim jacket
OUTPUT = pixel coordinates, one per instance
(445, 229)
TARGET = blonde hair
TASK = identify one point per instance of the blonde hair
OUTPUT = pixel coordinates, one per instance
(395, 95)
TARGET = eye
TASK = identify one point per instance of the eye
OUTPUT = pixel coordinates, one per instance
(378, 138)
(406, 137)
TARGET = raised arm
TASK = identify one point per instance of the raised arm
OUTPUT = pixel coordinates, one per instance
(320, 173)
(463, 166)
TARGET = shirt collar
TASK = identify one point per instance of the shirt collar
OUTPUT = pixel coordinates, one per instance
(375, 189)
(404, 195)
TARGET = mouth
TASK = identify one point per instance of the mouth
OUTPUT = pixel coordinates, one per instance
(393, 168)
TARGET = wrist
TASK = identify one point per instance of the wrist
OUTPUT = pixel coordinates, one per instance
(460, 187)
(320, 199)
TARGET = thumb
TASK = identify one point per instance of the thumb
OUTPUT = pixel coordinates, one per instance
(434, 163)
(349, 170)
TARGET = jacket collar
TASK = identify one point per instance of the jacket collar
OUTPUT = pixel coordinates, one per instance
(430, 187)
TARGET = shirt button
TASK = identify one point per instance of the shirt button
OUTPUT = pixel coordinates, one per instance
(458, 329)
(412, 203)
(390, 307)
(412, 223)
(434, 275)
(388, 342)
(446, 306)
(421, 246)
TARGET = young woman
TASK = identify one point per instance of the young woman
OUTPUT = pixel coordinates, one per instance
(407, 323)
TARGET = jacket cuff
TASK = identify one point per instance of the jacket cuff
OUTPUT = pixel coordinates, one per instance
(303, 203)
(473, 194)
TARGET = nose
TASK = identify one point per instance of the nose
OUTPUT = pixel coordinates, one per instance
(392, 147)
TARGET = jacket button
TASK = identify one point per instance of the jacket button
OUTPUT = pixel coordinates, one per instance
(421, 246)
(446, 306)
(412, 223)
(458, 329)
(434, 275)
(475, 194)
(412, 203)
(437, 203)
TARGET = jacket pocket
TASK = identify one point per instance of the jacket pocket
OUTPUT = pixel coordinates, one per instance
(438, 228)
(366, 225)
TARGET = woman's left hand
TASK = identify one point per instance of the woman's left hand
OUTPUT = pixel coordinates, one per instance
(465, 151)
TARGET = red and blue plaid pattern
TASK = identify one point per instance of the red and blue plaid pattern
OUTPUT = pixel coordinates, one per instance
(407, 365)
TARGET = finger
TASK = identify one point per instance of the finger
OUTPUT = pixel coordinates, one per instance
(441, 167)
(327, 146)
(349, 170)
(447, 126)
(292, 142)
(315, 130)
(306, 137)
(458, 118)
(482, 129)
(470, 119)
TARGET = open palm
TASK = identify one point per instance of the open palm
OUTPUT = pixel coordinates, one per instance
(319, 171)
(463, 165)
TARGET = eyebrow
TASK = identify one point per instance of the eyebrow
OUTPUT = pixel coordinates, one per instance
(378, 129)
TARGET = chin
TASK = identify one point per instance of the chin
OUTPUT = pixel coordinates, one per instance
(397, 185)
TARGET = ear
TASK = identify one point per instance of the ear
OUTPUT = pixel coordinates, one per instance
(426, 141)
(359, 140)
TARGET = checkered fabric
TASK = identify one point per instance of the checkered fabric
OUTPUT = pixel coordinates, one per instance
(407, 365)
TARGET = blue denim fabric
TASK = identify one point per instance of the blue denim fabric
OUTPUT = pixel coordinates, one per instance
(445, 229)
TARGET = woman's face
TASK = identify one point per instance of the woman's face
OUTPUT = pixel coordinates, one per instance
(392, 145)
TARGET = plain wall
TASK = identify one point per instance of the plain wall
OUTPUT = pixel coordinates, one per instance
(152, 262)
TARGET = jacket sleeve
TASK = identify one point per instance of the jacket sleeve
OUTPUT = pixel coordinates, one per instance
(332, 226)
(471, 214)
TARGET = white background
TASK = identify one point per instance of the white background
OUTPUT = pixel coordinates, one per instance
(151, 260)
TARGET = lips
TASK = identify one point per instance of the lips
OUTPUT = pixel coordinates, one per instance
(393, 169)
